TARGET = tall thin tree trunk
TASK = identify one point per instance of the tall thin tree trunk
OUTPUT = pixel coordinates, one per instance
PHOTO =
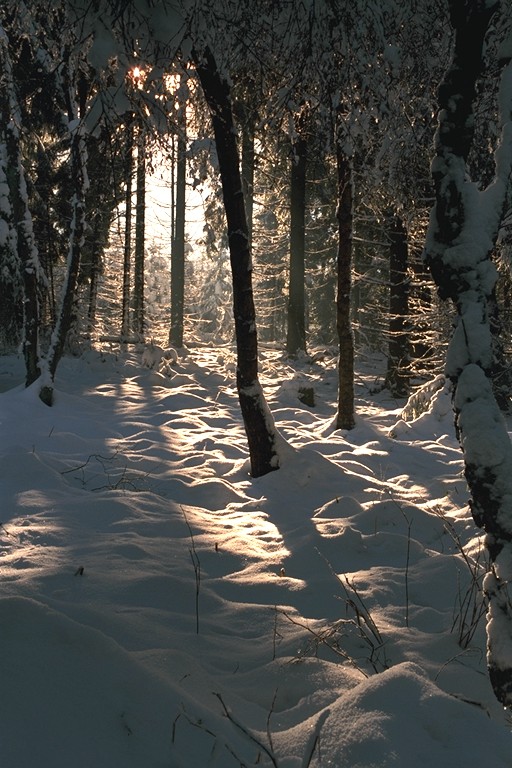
(11, 286)
(178, 243)
(140, 236)
(397, 377)
(501, 370)
(464, 227)
(422, 348)
(10, 123)
(64, 318)
(247, 117)
(296, 332)
(94, 280)
(125, 308)
(345, 417)
(259, 425)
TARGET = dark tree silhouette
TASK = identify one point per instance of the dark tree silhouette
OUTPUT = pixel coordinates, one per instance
(258, 421)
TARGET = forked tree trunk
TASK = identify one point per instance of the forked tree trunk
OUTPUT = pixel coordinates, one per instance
(258, 421)
(345, 417)
(463, 229)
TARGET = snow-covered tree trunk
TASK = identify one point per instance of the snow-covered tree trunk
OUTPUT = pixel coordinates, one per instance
(11, 287)
(258, 422)
(463, 229)
(16, 191)
(78, 165)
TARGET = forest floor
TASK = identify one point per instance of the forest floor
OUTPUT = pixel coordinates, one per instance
(160, 608)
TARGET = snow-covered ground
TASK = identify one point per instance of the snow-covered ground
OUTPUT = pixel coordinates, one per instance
(159, 608)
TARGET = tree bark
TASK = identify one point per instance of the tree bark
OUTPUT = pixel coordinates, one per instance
(296, 331)
(247, 117)
(65, 315)
(463, 230)
(258, 421)
(501, 369)
(140, 236)
(10, 122)
(178, 243)
(94, 281)
(125, 308)
(345, 417)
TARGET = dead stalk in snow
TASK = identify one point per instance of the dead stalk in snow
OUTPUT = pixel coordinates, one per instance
(368, 628)
(117, 474)
(247, 732)
(363, 621)
(311, 746)
(196, 564)
(328, 637)
(471, 604)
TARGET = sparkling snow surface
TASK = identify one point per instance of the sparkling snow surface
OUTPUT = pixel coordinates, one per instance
(159, 608)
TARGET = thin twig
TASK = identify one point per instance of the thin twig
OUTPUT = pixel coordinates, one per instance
(247, 732)
(196, 565)
(314, 739)
(322, 639)
(270, 713)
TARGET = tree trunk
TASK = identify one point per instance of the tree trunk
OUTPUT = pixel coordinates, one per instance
(397, 377)
(10, 123)
(296, 333)
(125, 309)
(247, 117)
(11, 287)
(258, 422)
(94, 281)
(463, 229)
(501, 370)
(422, 349)
(345, 417)
(140, 237)
(65, 315)
(178, 243)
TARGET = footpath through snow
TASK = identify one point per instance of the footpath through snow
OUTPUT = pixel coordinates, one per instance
(159, 608)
